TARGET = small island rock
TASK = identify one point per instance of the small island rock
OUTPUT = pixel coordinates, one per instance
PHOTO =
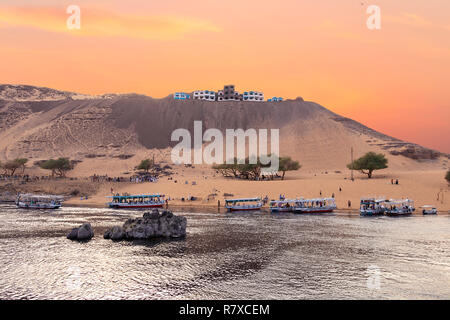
(84, 232)
(152, 225)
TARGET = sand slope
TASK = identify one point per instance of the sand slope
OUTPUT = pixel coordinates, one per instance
(42, 123)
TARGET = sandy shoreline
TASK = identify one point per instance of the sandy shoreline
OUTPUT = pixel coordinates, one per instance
(424, 187)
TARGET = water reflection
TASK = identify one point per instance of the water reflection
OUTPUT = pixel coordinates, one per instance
(237, 256)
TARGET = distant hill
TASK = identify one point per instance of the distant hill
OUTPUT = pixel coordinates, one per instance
(39, 123)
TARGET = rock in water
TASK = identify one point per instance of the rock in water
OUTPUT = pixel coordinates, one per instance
(73, 234)
(84, 232)
(151, 225)
(116, 233)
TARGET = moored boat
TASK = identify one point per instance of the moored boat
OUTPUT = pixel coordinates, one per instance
(427, 209)
(318, 205)
(244, 204)
(136, 201)
(371, 207)
(394, 208)
(282, 205)
(33, 201)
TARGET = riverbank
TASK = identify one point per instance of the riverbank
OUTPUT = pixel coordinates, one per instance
(207, 189)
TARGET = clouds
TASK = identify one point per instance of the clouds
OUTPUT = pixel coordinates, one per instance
(413, 20)
(101, 23)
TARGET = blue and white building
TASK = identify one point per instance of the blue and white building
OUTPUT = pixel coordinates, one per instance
(275, 99)
(181, 96)
(253, 96)
(204, 95)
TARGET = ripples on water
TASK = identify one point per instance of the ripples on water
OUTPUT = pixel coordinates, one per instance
(225, 256)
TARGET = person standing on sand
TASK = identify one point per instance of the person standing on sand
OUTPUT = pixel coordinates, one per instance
(349, 204)
(396, 181)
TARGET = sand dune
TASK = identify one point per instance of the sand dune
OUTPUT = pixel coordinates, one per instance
(111, 134)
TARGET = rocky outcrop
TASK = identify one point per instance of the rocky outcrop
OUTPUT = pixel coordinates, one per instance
(152, 225)
(417, 153)
(82, 233)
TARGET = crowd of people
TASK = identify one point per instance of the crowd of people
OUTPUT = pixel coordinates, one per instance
(28, 178)
(133, 179)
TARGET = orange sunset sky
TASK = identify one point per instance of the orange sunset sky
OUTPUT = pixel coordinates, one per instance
(395, 80)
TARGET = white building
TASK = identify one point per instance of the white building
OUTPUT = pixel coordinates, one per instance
(275, 99)
(253, 96)
(181, 96)
(204, 95)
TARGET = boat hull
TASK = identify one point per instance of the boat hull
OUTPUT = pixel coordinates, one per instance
(137, 206)
(34, 207)
(398, 214)
(313, 210)
(280, 210)
(370, 213)
(427, 212)
(243, 209)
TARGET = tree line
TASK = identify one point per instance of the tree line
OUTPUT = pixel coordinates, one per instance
(58, 167)
(253, 171)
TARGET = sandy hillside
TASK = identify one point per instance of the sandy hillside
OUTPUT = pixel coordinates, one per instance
(41, 123)
(111, 134)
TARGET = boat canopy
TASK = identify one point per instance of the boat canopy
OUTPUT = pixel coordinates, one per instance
(242, 200)
(283, 201)
(138, 196)
(40, 196)
(372, 200)
(315, 200)
(428, 207)
(394, 201)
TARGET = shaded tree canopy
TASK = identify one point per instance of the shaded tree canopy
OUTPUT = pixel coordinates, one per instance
(145, 165)
(368, 163)
(287, 164)
(58, 166)
(245, 169)
(10, 167)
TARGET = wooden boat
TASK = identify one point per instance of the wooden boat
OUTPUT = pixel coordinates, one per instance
(136, 201)
(32, 201)
(396, 208)
(371, 207)
(244, 204)
(428, 209)
(319, 205)
(282, 205)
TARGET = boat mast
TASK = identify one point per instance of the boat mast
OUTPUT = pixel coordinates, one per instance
(352, 164)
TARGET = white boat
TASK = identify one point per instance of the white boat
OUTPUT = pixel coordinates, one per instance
(402, 207)
(372, 207)
(318, 205)
(282, 205)
(136, 201)
(427, 209)
(244, 204)
(32, 201)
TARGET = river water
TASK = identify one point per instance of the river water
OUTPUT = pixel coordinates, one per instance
(226, 256)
